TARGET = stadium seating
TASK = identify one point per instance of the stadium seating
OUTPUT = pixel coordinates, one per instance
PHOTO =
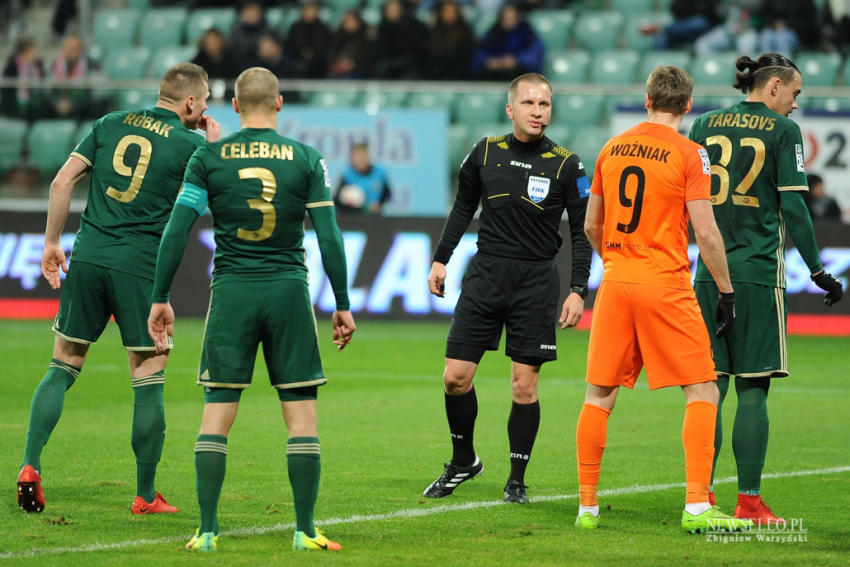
(458, 145)
(49, 142)
(163, 26)
(115, 28)
(614, 67)
(552, 26)
(566, 66)
(587, 142)
(652, 59)
(478, 107)
(166, 57)
(81, 130)
(631, 6)
(478, 131)
(385, 99)
(202, 19)
(134, 99)
(336, 98)
(559, 134)
(818, 69)
(576, 110)
(845, 73)
(12, 135)
(713, 102)
(826, 104)
(127, 62)
(634, 38)
(598, 31)
(431, 100)
(714, 68)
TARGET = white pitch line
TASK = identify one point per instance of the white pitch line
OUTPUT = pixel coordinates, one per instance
(405, 513)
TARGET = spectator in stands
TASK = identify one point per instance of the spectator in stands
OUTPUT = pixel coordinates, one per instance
(364, 187)
(787, 26)
(821, 206)
(64, 12)
(510, 48)
(247, 30)
(736, 32)
(352, 51)
(214, 55)
(72, 65)
(24, 101)
(402, 43)
(272, 55)
(837, 18)
(309, 42)
(691, 19)
(451, 43)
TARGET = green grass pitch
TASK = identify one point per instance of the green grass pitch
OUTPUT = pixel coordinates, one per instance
(384, 438)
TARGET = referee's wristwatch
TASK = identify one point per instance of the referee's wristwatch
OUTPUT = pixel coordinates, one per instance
(581, 290)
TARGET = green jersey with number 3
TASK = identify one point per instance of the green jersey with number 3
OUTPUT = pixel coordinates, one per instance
(755, 153)
(258, 185)
(137, 161)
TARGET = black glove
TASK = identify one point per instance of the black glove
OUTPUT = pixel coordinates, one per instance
(831, 285)
(725, 313)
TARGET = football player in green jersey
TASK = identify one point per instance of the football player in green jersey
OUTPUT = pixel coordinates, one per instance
(758, 174)
(258, 185)
(136, 160)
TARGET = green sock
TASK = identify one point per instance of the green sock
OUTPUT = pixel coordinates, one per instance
(304, 465)
(749, 436)
(210, 465)
(46, 407)
(723, 386)
(148, 431)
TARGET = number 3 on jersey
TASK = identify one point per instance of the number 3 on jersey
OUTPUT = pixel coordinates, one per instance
(264, 204)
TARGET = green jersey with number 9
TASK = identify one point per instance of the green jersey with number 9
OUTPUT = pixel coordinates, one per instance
(137, 160)
(258, 185)
(755, 153)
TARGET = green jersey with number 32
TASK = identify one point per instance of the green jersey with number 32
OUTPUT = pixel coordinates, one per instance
(258, 185)
(755, 153)
(137, 160)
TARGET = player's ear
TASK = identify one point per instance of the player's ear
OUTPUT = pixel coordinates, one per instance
(509, 111)
(646, 102)
(235, 105)
(690, 105)
(279, 103)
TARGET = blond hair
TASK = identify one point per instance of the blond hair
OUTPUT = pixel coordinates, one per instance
(182, 80)
(257, 89)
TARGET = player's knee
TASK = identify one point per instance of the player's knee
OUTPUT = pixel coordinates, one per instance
(455, 384)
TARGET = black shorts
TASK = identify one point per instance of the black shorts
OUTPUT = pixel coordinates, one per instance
(522, 297)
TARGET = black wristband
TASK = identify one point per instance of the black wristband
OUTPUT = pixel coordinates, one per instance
(581, 290)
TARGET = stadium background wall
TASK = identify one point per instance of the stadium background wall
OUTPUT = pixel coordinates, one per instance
(389, 260)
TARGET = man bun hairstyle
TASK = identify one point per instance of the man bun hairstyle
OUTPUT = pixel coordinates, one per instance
(752, 75)
(182, 80)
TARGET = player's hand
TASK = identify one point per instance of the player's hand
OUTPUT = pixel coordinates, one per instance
(161, 326)
(571, 311)
(211, 127)
(437, 279)
(725, 313)
(344, 327)
(52, 260)
(831, 285)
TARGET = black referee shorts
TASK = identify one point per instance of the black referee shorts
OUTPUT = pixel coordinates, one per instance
(522, 297)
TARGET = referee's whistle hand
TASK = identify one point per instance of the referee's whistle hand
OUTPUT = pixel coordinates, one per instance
(437, 279)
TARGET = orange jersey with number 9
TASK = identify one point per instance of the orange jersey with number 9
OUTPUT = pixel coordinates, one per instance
(645, 176)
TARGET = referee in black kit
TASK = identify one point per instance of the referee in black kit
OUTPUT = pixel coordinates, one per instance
(524, 181)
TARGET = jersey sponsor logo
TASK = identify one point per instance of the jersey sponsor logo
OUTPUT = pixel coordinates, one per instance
(548, 347)
(706, 163)
(324, 165)
(583, 186)
(798, 150)
(521, 164)
(538, 188)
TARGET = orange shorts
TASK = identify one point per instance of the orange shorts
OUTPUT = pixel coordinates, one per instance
(637, 325)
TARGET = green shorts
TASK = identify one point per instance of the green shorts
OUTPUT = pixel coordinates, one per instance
(756, 346)
(92, 294)
(276, 313)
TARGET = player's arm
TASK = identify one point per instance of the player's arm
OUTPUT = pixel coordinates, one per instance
(53, 258)
(582, 254)
(713, 253)
(799, 224)
(190, 204)
(321, 211)
(466, 203)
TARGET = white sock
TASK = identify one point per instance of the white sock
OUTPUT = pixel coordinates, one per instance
(697, 508)
(594, 510)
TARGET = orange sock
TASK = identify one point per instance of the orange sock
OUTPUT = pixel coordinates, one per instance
(591, 432)
(698, 439)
